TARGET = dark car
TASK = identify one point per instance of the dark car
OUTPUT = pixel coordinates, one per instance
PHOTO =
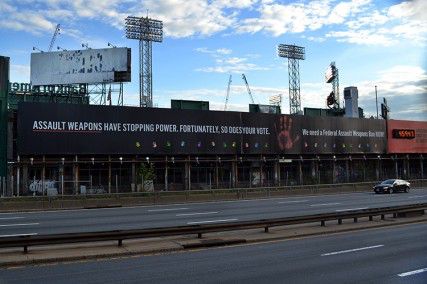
(392, 185)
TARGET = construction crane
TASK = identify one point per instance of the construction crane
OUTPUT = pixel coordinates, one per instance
(55, 34)
(228, 93)
(247, 87)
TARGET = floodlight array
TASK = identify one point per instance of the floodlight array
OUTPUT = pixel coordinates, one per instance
(291, 51)
(144, 29)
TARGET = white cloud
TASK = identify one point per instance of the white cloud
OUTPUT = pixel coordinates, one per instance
(403, 74)
(315, 39)
(397, 81)
(228, 64)
(404, 21)
(6, 8)
(365, 37)
(279, 19)
(231, 65)
(356, 21)
(345, 9)
(219, 51)
(238, 98)
(416, 109)
(235, 3)
(416, 10)
(375, 19)
(27, 21)
(19, 73)
(189, 18)
(224, 51)
(405, 88)
(313, 95)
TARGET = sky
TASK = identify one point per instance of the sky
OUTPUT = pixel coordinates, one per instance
(373, 43)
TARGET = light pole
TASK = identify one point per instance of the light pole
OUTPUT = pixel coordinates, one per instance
(145, 30)
(376, 100)
(294, 54)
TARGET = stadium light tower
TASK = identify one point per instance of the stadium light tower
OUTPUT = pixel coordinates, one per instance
(332, 76)
(294, 54)
(145, 30)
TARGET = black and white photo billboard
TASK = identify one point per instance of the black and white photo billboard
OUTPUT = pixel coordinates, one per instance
(88, 66)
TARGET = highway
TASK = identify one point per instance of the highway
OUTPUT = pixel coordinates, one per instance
(386, 255)
(86, 220)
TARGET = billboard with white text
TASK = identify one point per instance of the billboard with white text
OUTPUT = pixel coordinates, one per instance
(48, 128)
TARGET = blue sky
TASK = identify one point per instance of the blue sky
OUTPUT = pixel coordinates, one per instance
(379, 43)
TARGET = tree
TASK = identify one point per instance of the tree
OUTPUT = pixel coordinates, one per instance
(147, 175)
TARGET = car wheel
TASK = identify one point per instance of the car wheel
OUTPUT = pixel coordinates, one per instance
(407, 189)
(390, 191)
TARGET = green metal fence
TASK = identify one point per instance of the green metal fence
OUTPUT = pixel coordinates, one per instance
(4, 82)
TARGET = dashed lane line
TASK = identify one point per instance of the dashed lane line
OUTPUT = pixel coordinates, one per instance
(18, 235)
(211, 221)
(10, 218)
(350, 250)
(167, 209)
(349, 209)
(295, 201)
(409, 273)
(15, 225)
(197, 213)
(325, 204)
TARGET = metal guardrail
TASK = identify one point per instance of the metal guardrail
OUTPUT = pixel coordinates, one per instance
(199, 230)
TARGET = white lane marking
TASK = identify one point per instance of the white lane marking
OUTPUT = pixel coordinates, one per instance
(56, 211)
(417, 196)
(198, 213)
(211, 221)
(350, 250)
(18, 235)
(295, 201)
(25, 224)
(167, 209)
(325, 204)
(360, 208)
(11, 218)
(412, 272)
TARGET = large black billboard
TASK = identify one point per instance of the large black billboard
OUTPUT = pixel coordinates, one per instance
(48, 128)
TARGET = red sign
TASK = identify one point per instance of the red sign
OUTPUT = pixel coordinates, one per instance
(407, 136)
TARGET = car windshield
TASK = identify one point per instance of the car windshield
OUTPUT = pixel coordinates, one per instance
(389, 181)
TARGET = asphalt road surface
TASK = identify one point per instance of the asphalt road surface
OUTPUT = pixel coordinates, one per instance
(89, 220)
(386, 255)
